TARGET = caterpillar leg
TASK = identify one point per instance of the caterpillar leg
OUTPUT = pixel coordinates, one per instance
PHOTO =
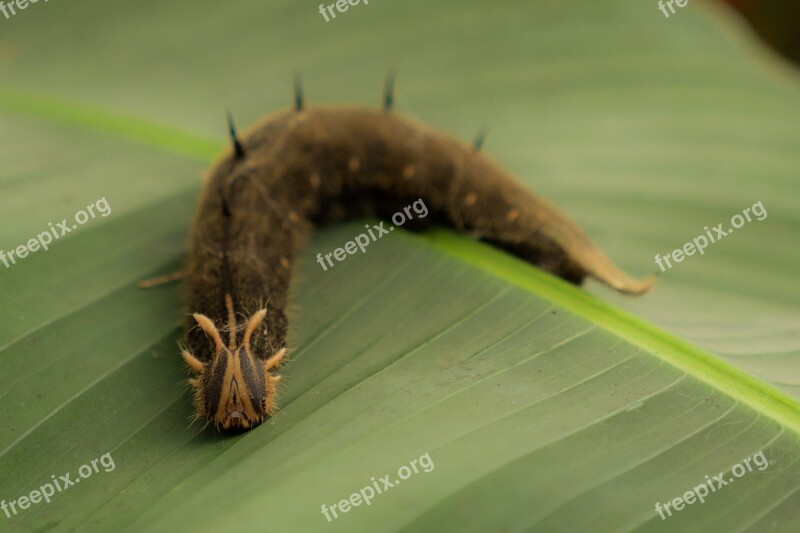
(161, 280)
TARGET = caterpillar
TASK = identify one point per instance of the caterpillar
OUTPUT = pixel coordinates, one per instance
(308, 166)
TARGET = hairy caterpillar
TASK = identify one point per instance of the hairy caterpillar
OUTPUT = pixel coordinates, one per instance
(308, 166)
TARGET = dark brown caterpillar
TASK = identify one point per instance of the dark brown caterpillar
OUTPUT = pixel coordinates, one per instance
(310, 166)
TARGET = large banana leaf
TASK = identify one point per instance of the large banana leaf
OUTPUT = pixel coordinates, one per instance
(542, 406)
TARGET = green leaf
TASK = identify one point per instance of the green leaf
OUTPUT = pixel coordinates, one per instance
(541, 406)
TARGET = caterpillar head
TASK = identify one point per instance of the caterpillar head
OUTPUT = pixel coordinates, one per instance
(234, 390)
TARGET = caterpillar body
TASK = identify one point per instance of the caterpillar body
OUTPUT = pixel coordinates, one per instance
(308, 166)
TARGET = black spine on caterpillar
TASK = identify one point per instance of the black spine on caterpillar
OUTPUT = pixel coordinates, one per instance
(314, 165)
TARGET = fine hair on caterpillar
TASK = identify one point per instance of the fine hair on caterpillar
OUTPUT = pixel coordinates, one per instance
(309, 166)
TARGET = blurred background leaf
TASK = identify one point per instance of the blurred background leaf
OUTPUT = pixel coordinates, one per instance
(776, 21)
